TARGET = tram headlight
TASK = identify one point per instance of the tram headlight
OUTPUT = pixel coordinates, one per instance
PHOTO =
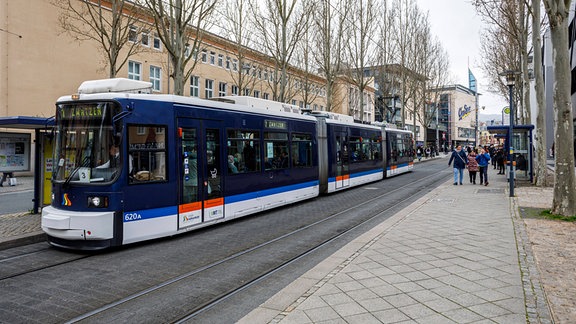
(98, 202)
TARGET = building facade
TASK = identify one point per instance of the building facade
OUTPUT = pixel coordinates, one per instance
(39, 62)
(457, 116)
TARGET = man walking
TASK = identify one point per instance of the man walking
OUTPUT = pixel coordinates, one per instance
(460, 161)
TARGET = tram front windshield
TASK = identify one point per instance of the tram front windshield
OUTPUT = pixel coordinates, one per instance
(87, 145)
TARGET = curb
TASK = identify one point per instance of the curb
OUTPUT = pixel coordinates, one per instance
(24, 239)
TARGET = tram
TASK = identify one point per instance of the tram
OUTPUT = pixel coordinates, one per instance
(133, 166)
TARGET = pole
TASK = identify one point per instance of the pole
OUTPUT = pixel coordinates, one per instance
(476, 138)
(437, 149)
(510, 136)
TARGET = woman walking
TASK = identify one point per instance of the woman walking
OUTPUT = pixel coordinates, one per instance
(460, 161)
(472, 165)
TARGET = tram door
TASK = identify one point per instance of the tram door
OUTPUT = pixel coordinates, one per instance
(201, 186)
(342, 161)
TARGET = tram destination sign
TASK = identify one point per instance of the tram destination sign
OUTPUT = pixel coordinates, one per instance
(275, 124)
(81, 111)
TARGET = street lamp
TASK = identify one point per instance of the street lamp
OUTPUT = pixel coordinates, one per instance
(510, 81)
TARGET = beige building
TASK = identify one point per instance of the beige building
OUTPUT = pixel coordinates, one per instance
(39, 63)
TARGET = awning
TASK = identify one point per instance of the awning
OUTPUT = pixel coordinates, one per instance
(24, 122)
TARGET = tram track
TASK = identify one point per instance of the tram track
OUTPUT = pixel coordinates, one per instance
(27, 262)
(193, 278)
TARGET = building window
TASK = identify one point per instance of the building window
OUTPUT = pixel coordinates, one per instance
(294, 102)
(194, 86)
(209, 89)
(227, 62)
(204, 56)
(266, 96)
(157, 43)
(134, 70)
(133, 34)
(234, 90)
(235, 65)
(155, 77)
(212, 58)
(220, 60)
(187, 51)
(222, 89)
(247, 91)
(145, 40)
(256, 94)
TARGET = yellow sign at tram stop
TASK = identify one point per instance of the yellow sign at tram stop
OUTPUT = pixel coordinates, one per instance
(511, 150)
(48, 167)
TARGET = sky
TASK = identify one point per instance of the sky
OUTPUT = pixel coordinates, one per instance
(458, 28)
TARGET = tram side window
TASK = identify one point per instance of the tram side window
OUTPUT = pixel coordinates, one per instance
(395, 147)
(243, 151)
(302, 150)
(276, 151)
(148, 152)
(376, 149)
(356, 149)
(409, 149)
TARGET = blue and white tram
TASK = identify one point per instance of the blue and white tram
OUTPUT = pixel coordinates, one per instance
(131, 166)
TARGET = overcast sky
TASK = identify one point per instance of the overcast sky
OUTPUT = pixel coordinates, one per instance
(458, 27)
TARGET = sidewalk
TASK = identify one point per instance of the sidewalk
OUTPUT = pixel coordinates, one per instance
(22, 227)
(459, 254)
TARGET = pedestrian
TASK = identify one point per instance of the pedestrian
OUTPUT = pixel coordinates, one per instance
(460, 161)
(419, 153)
(427, 152)
(4, 176)
(500, 161)
(483, 159)
(493, 153)
(472, 165)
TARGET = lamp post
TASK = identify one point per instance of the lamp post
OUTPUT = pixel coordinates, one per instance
(510, 81)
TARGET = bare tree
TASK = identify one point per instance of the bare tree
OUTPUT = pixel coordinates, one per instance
(434, 68)
(564, 202)
(113, 24)
(512, 25)
(408, 20)
(386, 81)
(308, 83)
(360, 51)
(238, 30)
(180, 24)
(329, 31)
(281, 26)
(540, 178)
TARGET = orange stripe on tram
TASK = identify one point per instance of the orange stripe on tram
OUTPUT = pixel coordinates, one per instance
(190, 207)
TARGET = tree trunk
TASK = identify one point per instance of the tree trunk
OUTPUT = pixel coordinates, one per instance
(540, 165)
(564, 202)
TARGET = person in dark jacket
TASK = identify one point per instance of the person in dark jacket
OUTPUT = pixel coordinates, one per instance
(483, 159)
(460, 161)
(472, 165)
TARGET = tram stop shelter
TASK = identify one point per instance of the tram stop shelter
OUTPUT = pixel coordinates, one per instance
(522, 145)
(16, 152)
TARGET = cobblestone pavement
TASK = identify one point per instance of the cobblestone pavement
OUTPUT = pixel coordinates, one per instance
(21, 227)
(554, 246)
